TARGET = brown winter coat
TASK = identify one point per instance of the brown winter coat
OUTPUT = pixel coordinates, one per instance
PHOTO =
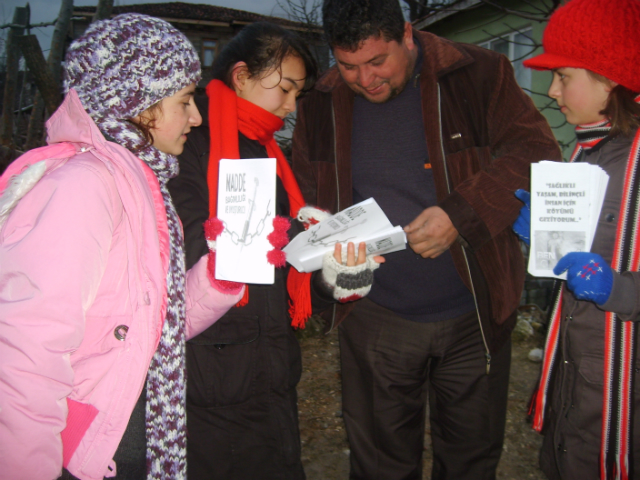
(480, 154)
(571, 447)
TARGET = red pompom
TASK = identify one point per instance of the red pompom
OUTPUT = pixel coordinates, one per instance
(277, 258)
(279, 238)
(281, 223)
(213, 228)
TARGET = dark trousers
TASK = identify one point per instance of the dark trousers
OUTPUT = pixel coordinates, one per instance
(390, 366)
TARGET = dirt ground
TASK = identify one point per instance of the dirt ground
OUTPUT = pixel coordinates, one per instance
(325, 451)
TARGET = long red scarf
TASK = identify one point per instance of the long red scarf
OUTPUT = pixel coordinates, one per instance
(619, 336)
(228, 115)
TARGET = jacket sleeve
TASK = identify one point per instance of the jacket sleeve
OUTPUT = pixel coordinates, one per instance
(300, 161)
(205, 304)
(53, 252)
(483, 205)
(313, 150)
(625, 296)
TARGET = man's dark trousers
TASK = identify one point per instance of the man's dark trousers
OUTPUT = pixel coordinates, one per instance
(390, 366)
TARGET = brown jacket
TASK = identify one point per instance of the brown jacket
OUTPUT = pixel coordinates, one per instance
(482, 133)
(573, 424)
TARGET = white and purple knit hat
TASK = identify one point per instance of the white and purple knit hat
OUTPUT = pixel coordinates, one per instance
(122, 66)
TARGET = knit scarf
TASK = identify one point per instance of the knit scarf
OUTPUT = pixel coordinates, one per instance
(166, 383)
(229, 114)
(619, 336)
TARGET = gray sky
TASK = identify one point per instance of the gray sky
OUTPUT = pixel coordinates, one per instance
(47, 10)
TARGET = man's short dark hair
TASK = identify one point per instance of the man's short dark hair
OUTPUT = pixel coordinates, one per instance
(348, 23)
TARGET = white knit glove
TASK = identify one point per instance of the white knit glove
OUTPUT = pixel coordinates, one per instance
(348, 283)
(309, 216)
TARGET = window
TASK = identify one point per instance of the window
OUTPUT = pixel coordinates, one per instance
(517, 46)
(209, 51)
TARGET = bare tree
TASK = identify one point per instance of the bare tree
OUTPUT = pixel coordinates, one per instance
(54, 63)
(103, 10)
(308, 12)
(3, 51)
(421, 8)
(539, 14)
(20, 21)
(58, 40)
(42, 75)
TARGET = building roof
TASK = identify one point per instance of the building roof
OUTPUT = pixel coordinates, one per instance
(196, 14)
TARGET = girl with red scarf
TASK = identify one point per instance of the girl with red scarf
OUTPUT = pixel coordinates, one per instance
(241, 390)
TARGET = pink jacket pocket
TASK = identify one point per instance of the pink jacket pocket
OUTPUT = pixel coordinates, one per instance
(80, 417)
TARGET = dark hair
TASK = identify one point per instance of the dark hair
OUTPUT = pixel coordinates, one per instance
(621, 109)
(146, 123)
(348, 23)
(263, 46)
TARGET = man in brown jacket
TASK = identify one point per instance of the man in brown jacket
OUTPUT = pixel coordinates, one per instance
(441, 135)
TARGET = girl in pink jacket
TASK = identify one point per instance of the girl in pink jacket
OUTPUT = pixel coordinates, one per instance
(95, 303)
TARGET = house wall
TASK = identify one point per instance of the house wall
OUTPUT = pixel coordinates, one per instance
(197, 36)
(483, 23)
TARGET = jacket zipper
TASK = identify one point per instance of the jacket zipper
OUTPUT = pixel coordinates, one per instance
(335, 163)
(464, 252)
(335, 155)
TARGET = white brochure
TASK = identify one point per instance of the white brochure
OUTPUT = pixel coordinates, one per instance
(246, 206)
(566, 199)
(363, 222)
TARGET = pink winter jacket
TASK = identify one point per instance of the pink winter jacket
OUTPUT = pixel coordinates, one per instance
(83, 254)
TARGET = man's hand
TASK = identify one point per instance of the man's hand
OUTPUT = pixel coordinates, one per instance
(431, 233)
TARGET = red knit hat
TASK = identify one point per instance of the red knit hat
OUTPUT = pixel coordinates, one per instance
(598, 35)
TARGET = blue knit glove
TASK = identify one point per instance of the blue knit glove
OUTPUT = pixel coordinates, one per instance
(522, 225)
(589, 277)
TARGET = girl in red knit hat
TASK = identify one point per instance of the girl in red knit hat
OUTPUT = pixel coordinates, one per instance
(587, 403)
(241, 403)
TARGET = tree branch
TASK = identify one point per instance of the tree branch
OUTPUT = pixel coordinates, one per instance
(103, 10)
(536, 7)
(519, 13)
(42, 74)
(31, 25)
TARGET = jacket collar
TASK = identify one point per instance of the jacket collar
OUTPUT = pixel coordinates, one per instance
(71, 123)
(441, 56)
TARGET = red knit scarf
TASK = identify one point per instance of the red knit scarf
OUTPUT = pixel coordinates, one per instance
(619, 336)
(229, 114)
